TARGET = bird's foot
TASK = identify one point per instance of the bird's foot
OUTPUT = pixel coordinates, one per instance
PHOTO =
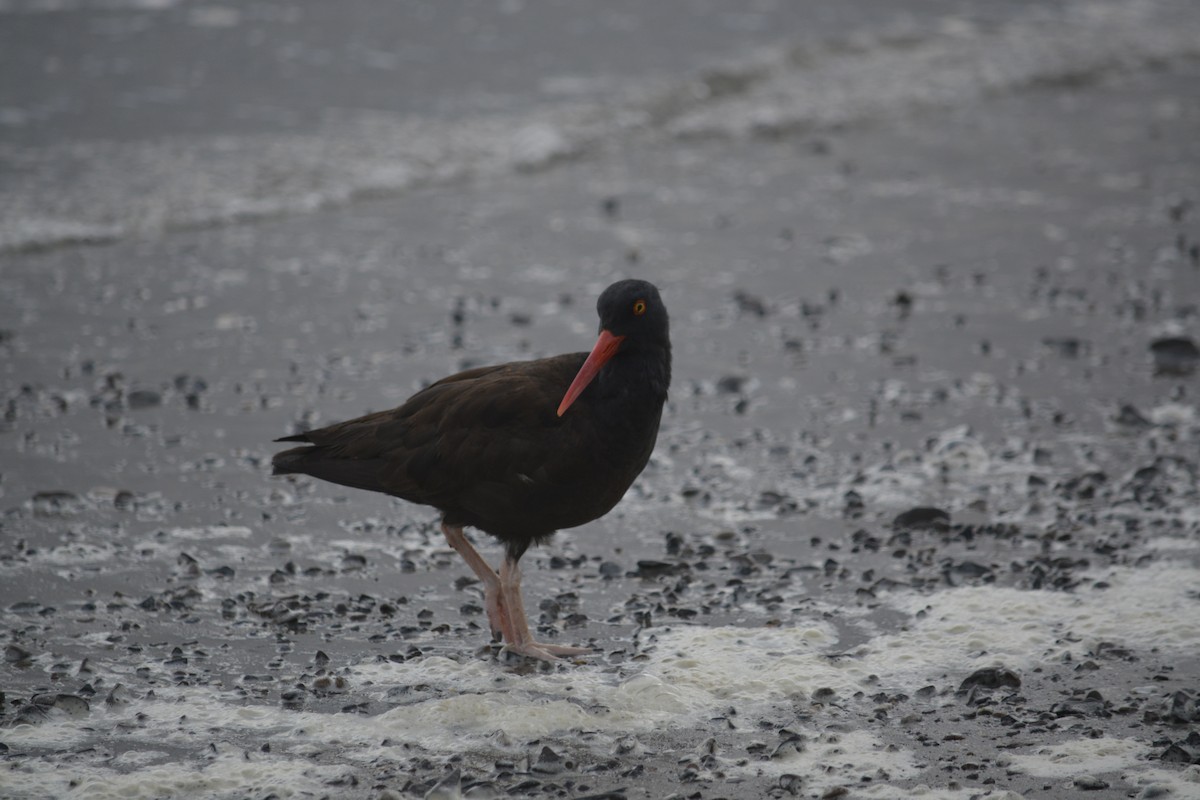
(545, 652)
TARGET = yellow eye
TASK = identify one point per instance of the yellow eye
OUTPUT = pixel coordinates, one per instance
(639, 308)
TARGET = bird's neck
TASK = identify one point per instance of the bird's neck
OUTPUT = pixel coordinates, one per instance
(643, 374)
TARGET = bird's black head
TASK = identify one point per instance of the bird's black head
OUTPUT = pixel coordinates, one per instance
(633, 309)
(635, 337)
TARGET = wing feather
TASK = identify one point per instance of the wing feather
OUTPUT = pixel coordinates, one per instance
(461, 444)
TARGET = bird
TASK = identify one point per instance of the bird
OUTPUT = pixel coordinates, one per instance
(517, 450)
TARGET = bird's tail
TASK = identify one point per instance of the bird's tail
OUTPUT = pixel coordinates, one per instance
(316, 461)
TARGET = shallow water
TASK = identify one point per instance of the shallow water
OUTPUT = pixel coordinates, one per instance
(913, 260)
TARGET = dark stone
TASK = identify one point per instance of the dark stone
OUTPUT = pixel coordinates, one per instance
(970, 569)
(548, 762)
(16, 654)
(1182, 707)
(651, 568)
(922, 518)
(731, 384)
(1175, 355)
(1130, 417)
(991, 678)
(749, 304)
(1066, 346)
(143, 398)
(1185, 751)
(1083, 487)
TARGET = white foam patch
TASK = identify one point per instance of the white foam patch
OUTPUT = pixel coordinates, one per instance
(1081, 757)
(1173, 414)
(885, 791)
(72, 554)
(838, 759)
(479, 703)
(227, 775)
(691, 674)
(1176, 544)
(969, 626)
(955, 632)
(1176, 784)
(209, 533)
(754, 665)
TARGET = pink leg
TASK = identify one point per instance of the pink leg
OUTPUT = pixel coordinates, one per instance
(522, 640)
(493, 597)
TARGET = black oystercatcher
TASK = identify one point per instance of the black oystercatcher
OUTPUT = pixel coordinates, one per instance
(518, 450)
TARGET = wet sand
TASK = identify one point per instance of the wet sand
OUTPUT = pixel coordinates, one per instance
(922, 520)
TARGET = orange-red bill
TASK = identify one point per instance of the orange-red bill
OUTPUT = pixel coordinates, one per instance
(605, 348)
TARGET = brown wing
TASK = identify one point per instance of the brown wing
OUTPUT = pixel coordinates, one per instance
(485, 446)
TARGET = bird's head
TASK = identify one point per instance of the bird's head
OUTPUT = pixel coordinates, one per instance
(633, 319)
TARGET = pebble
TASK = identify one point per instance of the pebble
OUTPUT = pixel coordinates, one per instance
(1090, 783)
(548, 762)
(143, 398)
(991, 678)
(1175, 355)
(922, 518)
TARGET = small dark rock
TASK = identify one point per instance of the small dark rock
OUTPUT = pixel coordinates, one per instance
(448, 787)
(352, 562)
(1175, 355)
(1091, 706)
(1185, 751)
(16, 654)
(731, 384)
(1066, 346)
(1130, 417)
(1182, 707)
(970, 569)
(548, 762)
(650, 568)
(991, 678)
(143, 398)
(749, 304)
(1083, 487)
(525, 788)
(790, 783)
(114, 699)
(57, 503)
(292, 698)
(922, 518)
(41, 706)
